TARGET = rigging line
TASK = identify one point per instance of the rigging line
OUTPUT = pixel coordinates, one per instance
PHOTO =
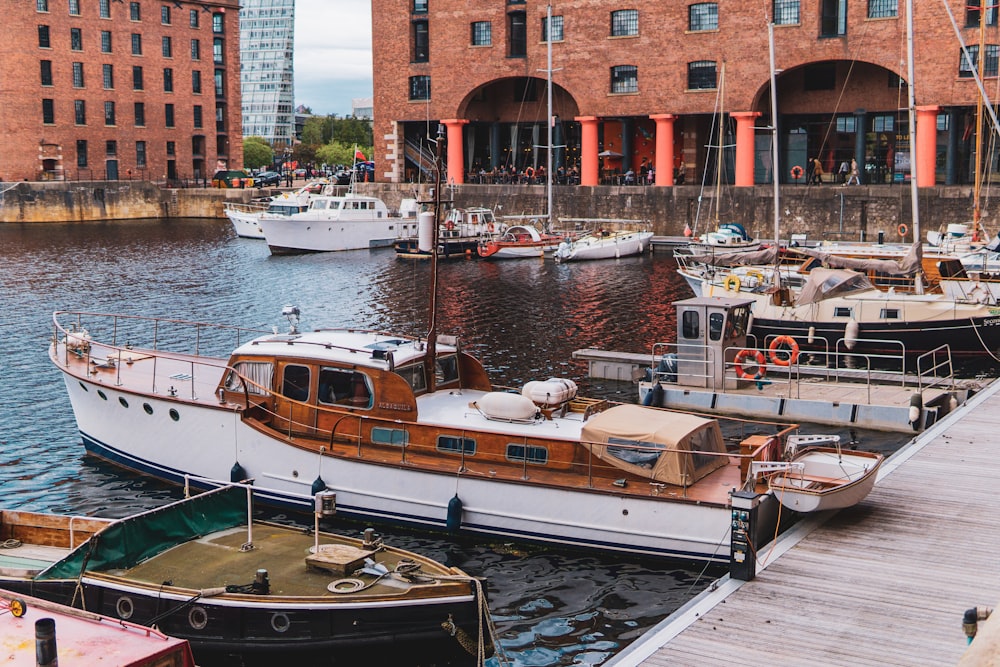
(704, 170)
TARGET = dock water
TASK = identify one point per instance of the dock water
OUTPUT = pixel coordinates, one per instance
(885, 582)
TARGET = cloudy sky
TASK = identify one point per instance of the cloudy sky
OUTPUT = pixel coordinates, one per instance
(333, 59)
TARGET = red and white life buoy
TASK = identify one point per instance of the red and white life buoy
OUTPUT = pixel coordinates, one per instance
(783, 350)
(755, 357)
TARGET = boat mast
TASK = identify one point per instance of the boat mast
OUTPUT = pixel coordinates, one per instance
(551, 118)
(977, 183)
(430, 360)
(912, 117)
(720, 154)
(774, 136)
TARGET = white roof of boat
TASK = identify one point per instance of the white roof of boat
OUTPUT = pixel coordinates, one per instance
(454, 408)
(350, 346)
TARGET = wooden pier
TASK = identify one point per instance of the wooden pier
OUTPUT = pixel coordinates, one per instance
(882, 583)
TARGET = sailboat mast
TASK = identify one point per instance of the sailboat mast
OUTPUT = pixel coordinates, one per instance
(774, 134)
(551, 118)
(430, 360)
(912, 117)
(979, 123)
(720, 155)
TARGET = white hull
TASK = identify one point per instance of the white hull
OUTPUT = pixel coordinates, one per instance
(829, 480)
(246, 225)
(616, 244)
(290, 233)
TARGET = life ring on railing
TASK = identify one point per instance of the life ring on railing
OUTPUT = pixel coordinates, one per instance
(902, 229)
(490, 227)
(796, 172)
(775, 349)
(754, 356)
(732, 282)
(758, 275)
(529, 173)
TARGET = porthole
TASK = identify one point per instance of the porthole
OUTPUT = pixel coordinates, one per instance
(124, 607)
(280, 622)
(122, 400)
(198, 618)
(174, 414)
(84, 387)
(100, 392)
(148, 408)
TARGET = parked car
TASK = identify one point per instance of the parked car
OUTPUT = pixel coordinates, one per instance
(266, 178)
(365, 171)
(342, 177)
(232, 178)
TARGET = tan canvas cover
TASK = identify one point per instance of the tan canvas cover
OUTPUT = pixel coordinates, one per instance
(656, 444)
(829, 283)
(906, 266)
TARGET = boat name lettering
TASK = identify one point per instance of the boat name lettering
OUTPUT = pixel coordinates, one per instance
(404, 407)
(991, 321)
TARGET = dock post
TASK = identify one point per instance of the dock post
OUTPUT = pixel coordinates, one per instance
(742, 552)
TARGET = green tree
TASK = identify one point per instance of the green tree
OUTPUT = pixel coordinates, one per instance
(335, 153)
(350, 131)
(312, 131)
(257, 153)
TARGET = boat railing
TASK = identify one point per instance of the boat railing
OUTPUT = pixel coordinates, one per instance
(246, 207)
(698, 360)
(934, 369)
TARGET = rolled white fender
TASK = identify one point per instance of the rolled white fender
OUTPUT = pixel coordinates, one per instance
(551, 392)
(507, 406)
(916, 406)
(812, 335)
(425, 231)
(851, 332)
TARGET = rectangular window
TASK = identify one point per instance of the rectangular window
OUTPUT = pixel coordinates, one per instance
(703, 16)
(76, 39)
(193, 18)
(884, 123)
(137, 77)
(168, 80)
(889, 313)
(48, 111)
(397, 437)
(220, 82)
(80, 112)
(111, 148)
(701, 75)
(421, 45)
(78, 75)
(942, 122)
(81, 152)
(46, 70)
(625, 79)
(833, 18)
(972, 13)
(842, 311)
(140, 114)
(218, 50)
(44, 41)
(42, 5)
(217, 23)
(105, 8)
(420, 87)
(419, 6)
(883, 9)
(165, 15)
(136, 44)
(196, 82)
(105, 41)
(846, 123)
(482, 33)
(134, 12)
(109, 113)
(108, 72)
(530, 454)
(167, 48)
(140, 154)
(171, 148)
(625, 23)
(456, 445)
(965, 69)
(786, 12)
(74, 7)
(195, 49)
(168, 115)
(517, 34)
(690, 325)
(198, 117)
(557, 29)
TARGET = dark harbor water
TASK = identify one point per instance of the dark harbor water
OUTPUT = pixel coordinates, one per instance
(522, 318)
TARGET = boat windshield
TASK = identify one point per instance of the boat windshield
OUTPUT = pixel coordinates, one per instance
(258, 373)
(446, 373)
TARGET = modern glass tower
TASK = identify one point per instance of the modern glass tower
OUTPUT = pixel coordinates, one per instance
(267, 39)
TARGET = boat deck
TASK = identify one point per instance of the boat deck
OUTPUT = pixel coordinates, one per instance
(885, 582)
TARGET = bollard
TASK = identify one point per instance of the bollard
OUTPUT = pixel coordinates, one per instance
(45, 643)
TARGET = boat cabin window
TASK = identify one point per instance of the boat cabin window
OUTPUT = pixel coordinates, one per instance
(715, 321)
(257, 373)
(690, 325)
(390, 436)
(739, 318)
(841, 311)
(319, 204)
(456, 445)
(343, 386)
(636, 452)
(447, 369)
(295, 382)
(530, 454)
(414, 376)
(889, 314)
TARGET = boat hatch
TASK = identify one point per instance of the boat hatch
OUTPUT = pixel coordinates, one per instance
(386, 344)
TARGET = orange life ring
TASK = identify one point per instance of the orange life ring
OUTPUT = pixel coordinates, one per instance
(902, 229)
(775, 351)
(529, 172)
(755, 356)
(449, 225)
(796, 172)
(490, 227)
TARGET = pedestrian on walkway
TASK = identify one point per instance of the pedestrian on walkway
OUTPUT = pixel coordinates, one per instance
(817, 172)
(855, 178)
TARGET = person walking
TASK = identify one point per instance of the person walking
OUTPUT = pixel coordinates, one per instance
(844, 170)
(817, 172)
(855, 178)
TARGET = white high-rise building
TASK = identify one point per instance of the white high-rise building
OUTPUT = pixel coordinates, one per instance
(267, 40)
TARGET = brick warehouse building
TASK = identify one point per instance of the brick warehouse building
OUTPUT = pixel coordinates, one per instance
(649, 83)
(119, 89)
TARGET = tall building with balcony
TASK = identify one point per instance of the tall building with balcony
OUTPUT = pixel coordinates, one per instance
(674, 83)
(116, 89)
(267, 41)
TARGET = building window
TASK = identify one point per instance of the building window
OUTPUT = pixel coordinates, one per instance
(625, 22)
(703, 16)
(105, 41)
(111, 148)
(701, 75)
(482, 33)
(42, 5)
(196, 82)
(168, 115)
(786, 12)
(78, 75)
(105, 8)
(846, 123)
(43, 37)
(74, 7)
(420, 88)
(883, 9)
(942, 122)
(965, 70)
(81, 152)
(76, 39)
(109, 113)
(217, 50)
(165, 15)
(820, 76)
(171, 148)
(134, 12)
(217, 23)
(220, 118)
(137, 77)
(517, 34)
(557, 29)
(193, 18)
(421, 53)
(833, 18)
(108, 72)
(419, 6)
(136, 44)
(625, 79)
(80, 112)
(195, 49)
(220, 83)
(167, 47)
(140, 154)
(883, 123)
(198, 117)
(972, 13)
(168, 80)
(48, 111)
(140, 114)
(46, 67)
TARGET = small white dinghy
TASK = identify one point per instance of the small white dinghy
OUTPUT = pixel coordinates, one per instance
(818, 478)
